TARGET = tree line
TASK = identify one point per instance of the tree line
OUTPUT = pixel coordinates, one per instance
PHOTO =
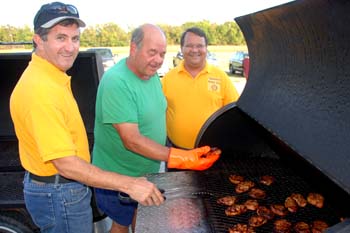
(112, 35)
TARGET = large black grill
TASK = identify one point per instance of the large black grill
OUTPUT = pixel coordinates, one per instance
(291, 122)
(208, 216)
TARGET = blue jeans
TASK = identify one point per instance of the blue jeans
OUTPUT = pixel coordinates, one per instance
(63, 208)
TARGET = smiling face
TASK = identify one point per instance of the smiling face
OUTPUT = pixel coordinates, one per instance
(147, 57)
(194, 51)
(60, 47)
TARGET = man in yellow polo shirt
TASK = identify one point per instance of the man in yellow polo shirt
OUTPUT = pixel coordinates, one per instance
(53, 144)
(194, 90)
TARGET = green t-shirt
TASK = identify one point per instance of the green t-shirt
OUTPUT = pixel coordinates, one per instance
(123, 97)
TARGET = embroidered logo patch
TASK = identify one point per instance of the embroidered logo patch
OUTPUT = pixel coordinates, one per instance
(214, 84)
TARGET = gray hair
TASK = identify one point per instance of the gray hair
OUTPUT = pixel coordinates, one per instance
(137, 36)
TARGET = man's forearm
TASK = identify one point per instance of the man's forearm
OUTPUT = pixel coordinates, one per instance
(72, 167)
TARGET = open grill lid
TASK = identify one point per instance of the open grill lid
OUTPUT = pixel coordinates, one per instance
(299, 81)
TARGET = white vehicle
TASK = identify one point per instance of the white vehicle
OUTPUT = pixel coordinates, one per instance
(108, 59)
(163, 69)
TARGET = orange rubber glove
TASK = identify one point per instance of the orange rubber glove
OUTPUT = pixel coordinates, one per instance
(194, 159)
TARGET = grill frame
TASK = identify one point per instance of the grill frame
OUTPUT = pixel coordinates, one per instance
(299, 80)
(295, 105)
(270, 156)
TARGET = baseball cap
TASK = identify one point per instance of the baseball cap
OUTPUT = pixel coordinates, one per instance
(52, 13)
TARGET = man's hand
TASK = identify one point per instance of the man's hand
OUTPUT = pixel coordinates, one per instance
(196, 159)
(145, 192)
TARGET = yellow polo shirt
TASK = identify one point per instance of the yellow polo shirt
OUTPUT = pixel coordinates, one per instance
(46, 117)
(191, 101)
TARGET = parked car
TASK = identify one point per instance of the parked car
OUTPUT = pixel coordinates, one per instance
(106, 55)
(246, 65)
(236, 62)
(176, 59)
(211, 58)
(163, 69)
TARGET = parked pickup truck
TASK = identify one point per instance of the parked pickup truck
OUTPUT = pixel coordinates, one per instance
(86, 72)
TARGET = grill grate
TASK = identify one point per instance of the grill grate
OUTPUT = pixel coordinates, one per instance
(286, 183)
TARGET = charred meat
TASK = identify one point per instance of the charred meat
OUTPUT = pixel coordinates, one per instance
(265, 212)
(257, 193)
(318, 226)
(251, 204)
(299, 199)
(315, 199)
(213, 151)
(241, 228)
(257, 221)
(267, 180)
(236, 179)
(235, 209)
(282, 226)
(301, 227)
(227, 200)
(279, 210)
(291, 205)
(244, 186)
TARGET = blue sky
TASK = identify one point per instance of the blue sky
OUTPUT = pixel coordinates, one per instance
(131, 13)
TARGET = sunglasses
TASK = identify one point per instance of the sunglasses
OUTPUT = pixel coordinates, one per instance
(60, 8)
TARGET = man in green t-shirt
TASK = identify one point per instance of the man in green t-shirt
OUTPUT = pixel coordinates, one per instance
(130, 126)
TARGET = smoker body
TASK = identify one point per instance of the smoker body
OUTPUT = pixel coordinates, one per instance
(291, 121)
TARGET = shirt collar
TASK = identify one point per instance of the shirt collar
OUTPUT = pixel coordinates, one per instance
(207, 68)
(57, 75)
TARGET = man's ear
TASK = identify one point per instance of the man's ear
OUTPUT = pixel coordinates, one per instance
(133, 48)
(37, 39)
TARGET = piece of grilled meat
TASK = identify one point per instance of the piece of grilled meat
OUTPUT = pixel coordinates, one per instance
(291, 205)
(257, 193)
(227, 200)
(299, 199)
(265, 212)
(267, 180)
(244, 186)
(236, 179)
(241, 228)
(318, 226)
(279, 210)
(282, 226)
(235, 209)
(315, 199)
(257, 221)
(251, 204)
(213, 151)
(301, 227)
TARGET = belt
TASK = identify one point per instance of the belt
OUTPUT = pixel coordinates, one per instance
(55, 179)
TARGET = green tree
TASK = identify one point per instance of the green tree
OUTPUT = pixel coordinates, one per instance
(111, 35)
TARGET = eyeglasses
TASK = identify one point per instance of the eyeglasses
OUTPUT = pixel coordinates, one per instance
(62, 8)
(193, 46)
